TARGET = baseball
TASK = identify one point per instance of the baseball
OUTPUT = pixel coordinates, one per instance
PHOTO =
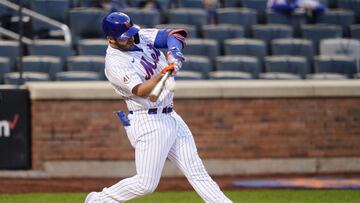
(171, 85)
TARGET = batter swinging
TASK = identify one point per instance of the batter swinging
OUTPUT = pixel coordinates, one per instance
(133, 65)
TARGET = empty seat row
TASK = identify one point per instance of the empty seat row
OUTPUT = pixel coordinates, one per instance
(276, 67)
(49, 68)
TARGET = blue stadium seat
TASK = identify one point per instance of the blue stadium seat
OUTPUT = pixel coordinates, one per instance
(246, 47)
(295, 20)
(14, 77)
(54, 9)
(238, 16)
(232, 3)
(334, 67)
(259, 6)
(353, 5)
(43, 64)
(343, 18)
(191, 16)
(293, 47)
(92, 47)
(195, 67)
(222, 32)
(51, 48)
(191, 4)
(77, 76)
(270, 32)
(318, 32)
(86, 23)
(4, 67)
(193, 33)
(236, 67)
(144, 17)
(285, 68)
(355, 31)
(10, 49)
(202, 47)
(87, 63)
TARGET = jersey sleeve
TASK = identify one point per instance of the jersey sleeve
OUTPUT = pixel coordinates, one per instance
(123, 76)
(148, 35)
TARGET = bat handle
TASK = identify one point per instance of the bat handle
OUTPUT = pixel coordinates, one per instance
(154, 94)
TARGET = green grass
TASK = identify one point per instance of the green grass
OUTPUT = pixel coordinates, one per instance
(253, 196)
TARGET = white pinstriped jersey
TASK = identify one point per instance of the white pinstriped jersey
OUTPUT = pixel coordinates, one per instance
(127, 69)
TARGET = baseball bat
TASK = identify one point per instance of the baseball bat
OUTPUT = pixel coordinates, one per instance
(154, 94)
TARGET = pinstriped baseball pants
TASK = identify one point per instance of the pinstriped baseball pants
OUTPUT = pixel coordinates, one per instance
(155, 138)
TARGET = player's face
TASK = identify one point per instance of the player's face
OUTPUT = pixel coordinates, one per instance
(125, 44)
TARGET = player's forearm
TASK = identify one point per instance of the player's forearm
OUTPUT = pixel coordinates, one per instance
(144, 89)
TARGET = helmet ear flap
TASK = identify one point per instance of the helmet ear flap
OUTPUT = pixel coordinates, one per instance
(136, 38)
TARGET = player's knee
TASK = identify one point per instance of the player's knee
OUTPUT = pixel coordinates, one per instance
(147, 186)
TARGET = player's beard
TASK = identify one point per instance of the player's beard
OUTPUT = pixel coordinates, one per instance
(126, 46)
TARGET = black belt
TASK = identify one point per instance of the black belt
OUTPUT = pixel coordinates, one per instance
(155, 110)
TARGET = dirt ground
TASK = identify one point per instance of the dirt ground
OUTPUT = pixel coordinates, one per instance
(19, 185)
(22, 185)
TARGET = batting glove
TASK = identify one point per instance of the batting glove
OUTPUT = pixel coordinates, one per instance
(175, 57)
(170, 67)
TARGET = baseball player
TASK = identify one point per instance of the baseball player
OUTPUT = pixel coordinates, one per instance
(133, 65)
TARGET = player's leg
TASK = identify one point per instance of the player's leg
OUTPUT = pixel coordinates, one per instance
(153, 142)
(184, 154)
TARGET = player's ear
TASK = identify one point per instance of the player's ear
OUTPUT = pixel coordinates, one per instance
(111, 39)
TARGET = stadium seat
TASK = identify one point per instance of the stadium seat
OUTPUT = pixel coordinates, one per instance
(285, 68)
(339, 46)
(246, 47)
(355, 31)
(51, 48)
(87, 63)
(222, 32)
(333, 67)
(144, 17)
(14, 77)
(247, 67)
(293, 47)
(295, 20)
(232, 3)
(193, 33)
(343, 18)
(4, 67)
(92, 47)
(86, 23)
(270, 32)
(190, 16)
(353, 5)
(318, 32)
(238, 16)
(258, 5)
(191, 4)
(202, 47)
(77, 76)
(96, 3)
(43, 64)
(10, 49)
(54, 9)
(189, 75)
(195, 64)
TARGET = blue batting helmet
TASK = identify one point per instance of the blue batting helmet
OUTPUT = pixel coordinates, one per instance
(119, 25)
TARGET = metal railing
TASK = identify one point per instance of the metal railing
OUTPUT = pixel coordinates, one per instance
(14, 35)
(33, 14)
